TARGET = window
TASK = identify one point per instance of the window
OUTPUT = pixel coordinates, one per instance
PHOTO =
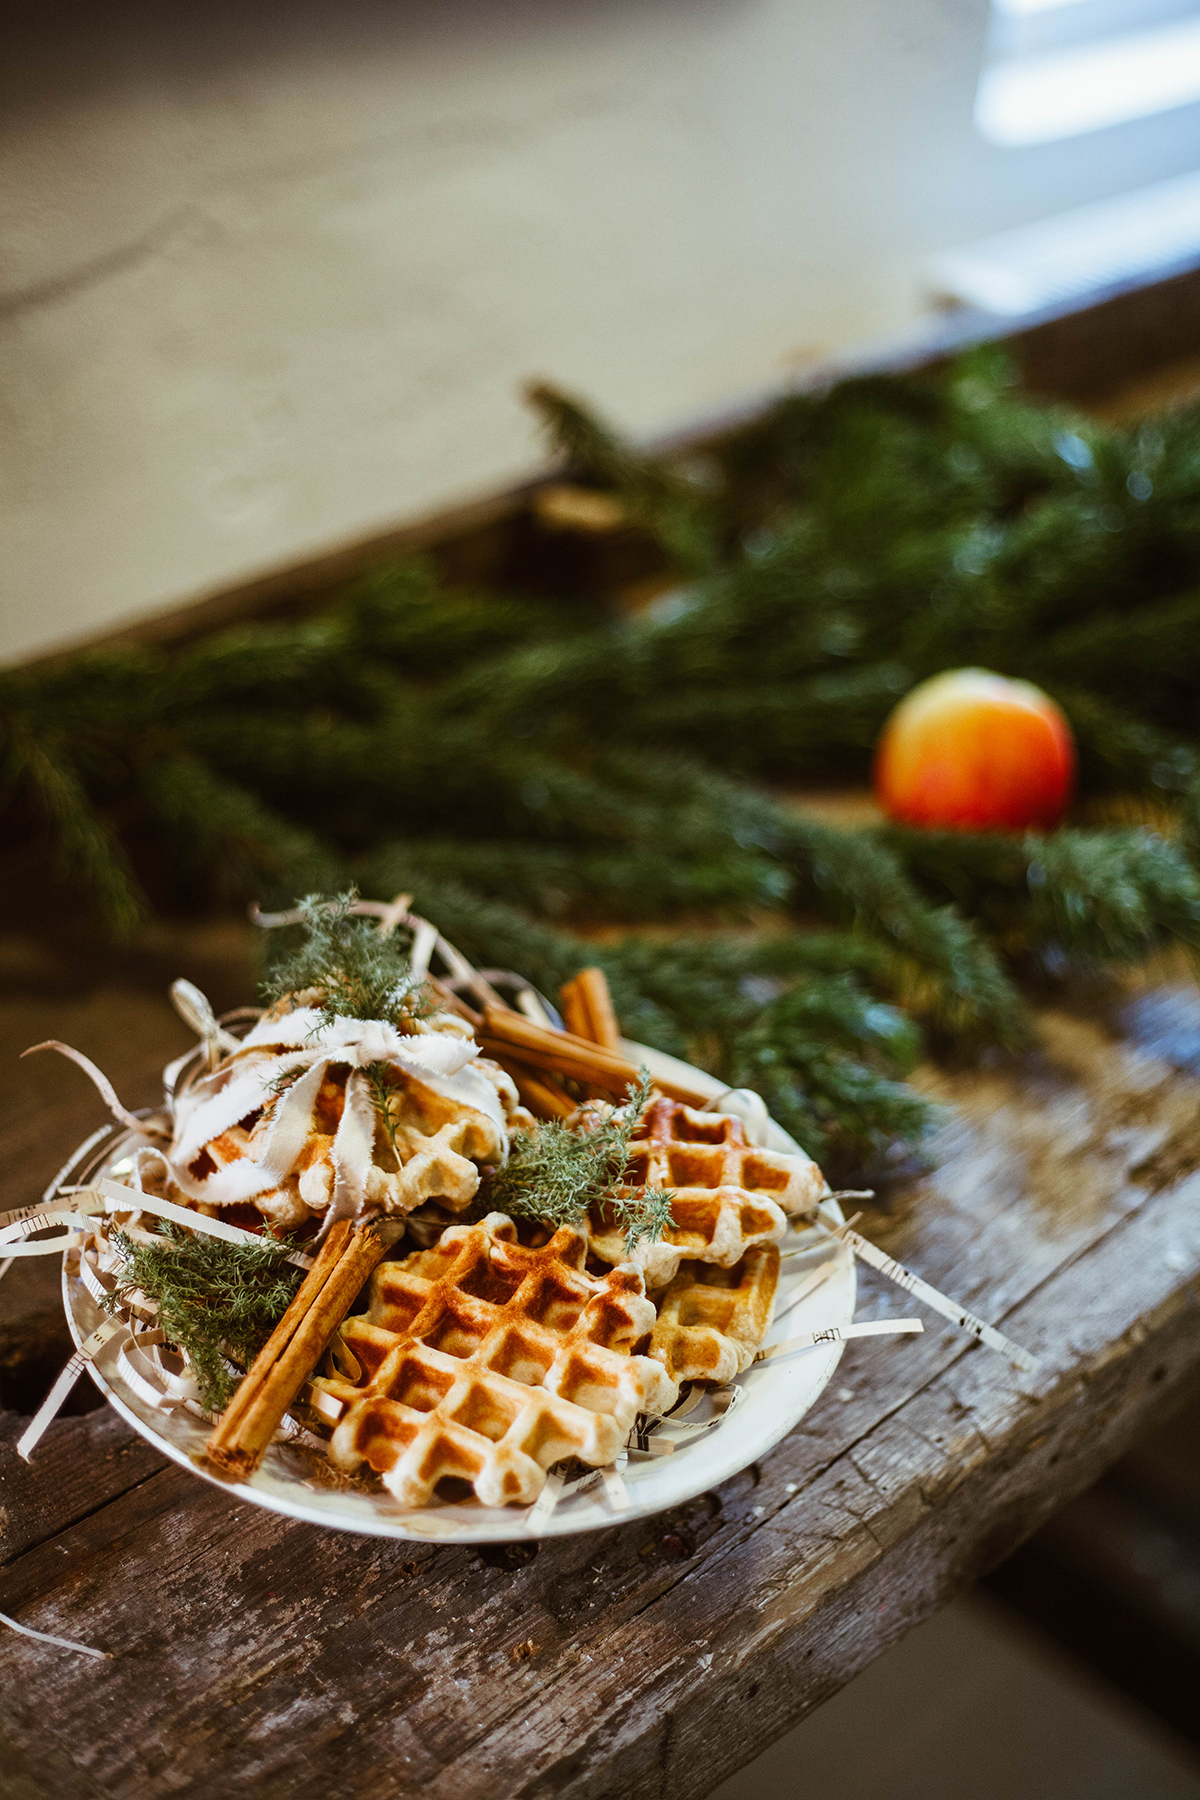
(1059, 68)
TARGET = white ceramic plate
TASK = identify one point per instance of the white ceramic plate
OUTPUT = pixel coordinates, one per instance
(772, 1398)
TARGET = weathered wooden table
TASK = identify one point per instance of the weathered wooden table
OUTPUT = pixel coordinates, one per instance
(253, 1655)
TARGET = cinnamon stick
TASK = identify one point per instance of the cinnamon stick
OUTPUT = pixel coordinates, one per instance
(296, 1345)
(543, 1101)
(454, 1002)
(593, 1077)
(588, 1009)
(562, 1053)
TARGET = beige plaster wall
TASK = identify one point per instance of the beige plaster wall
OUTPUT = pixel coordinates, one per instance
(273, 275)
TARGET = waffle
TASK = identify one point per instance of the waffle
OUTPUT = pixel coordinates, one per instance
(487, 1362)
(433, 1156)
(338, 1156)
(712, 1320)
(728, 1196)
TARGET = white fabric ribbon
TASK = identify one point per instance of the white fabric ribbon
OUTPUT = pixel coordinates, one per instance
(298, 1041)
(352, 1149)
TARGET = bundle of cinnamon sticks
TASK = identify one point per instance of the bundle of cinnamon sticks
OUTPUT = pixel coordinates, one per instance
(285, 1362)
(554, 1070)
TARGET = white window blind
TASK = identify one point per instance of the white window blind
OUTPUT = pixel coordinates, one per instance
(1152, 231)
(1060, 68)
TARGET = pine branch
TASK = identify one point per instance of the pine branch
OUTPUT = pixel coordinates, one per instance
(1155, 668)
(1114, 895)
(655, 497)
(224, 837)
(839, 548)
(88, 852)
(699, 997)
(1118, 750)
(785, 1017)
(624, 884)
(948, 973)
(1107, 896)
(702, 822)
(1189, 822)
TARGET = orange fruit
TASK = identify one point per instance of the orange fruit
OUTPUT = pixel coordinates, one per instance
(973, 751)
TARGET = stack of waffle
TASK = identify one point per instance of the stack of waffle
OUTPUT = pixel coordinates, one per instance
(483, 1361)
(714, 1271)
(311, 1120)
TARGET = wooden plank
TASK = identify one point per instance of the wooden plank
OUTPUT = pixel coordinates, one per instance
(765, 1582)
(82, 1465)
(34, 1148)
(472, 542)
(280, 1659)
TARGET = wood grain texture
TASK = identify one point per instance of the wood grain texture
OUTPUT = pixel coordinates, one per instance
(257, 1656)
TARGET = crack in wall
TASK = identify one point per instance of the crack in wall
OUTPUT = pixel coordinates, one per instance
(117, 261)
(432, 138)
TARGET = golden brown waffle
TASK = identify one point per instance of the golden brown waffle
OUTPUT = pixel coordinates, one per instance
(728, 1195)
(712, 1320)
(434, 1138)
(435, 1150)
(485, 1361)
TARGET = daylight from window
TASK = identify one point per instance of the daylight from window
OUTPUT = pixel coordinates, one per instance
(1061, 68)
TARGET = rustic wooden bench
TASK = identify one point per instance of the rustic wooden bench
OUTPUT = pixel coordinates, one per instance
(254, 1655)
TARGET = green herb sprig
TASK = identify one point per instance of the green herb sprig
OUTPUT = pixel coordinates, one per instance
(350, 970)
(215, 1300)
(382, 1095)
(555, 1174)
(347, 966)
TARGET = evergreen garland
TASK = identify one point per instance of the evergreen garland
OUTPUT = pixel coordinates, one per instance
(524, 767)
